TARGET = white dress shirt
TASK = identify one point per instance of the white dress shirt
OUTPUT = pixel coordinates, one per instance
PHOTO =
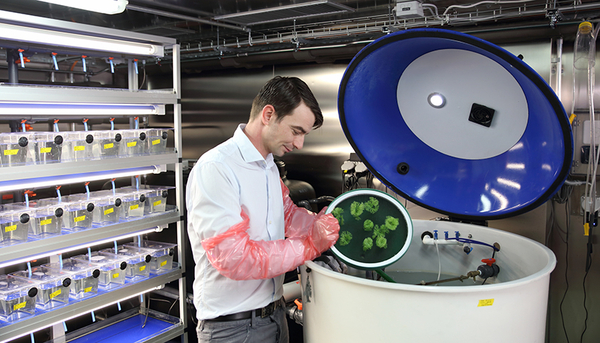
(229, 178)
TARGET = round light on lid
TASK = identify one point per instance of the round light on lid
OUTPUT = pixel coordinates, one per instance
(436, 100)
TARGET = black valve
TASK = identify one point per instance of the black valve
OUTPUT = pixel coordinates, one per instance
(489, 269)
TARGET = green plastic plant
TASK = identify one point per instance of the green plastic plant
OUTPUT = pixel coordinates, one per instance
(381, 242)
(367, 243)
(372, 205)
(338, 214)
(368, 225)
(391, 223)
(345, 238)
(356, 209)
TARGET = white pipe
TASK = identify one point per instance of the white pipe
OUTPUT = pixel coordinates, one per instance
(431, 241)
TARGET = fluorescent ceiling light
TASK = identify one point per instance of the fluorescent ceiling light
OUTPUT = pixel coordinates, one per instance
(75, 178)
(72, 40)
(100, 6)
(22, 108)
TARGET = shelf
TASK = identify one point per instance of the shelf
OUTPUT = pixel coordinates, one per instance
(58, 315)
(67, 94)
(128, 327)
(23, 251)
(21, 174)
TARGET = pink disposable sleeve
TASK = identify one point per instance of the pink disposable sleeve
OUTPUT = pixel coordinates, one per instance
(238, 257)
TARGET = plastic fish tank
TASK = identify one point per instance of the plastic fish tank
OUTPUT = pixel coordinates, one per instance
(134, 143)
(49, 147)
(15, 222)
(157, 140)
(53, 286)
(17, 298)
(47, 218)
(80, 146)
(107, 209)
(155, 197)
(17, 148)
(109, 142)
(112, 268)
(162, 254)
(137, 259)
(79, 211)
(133, 202)
(84, 276)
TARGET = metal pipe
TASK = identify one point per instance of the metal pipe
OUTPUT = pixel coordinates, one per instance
(13, 69)
(183, 17)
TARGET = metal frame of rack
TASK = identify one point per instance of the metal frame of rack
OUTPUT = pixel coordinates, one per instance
(16, 94)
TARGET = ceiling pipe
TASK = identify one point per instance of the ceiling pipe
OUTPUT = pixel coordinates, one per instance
(183, 17)
(172, 7)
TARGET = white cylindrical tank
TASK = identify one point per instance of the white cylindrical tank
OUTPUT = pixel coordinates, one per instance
(508, 308)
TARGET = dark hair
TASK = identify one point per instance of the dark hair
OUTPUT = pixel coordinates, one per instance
(285, 94)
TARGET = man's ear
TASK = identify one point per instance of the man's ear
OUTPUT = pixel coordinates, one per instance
(268, 114)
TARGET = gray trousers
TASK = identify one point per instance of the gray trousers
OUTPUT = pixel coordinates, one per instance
(272, 329)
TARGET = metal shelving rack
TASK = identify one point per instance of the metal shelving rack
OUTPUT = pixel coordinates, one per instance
(24, 31)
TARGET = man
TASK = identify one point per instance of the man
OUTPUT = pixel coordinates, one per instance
(244, 230)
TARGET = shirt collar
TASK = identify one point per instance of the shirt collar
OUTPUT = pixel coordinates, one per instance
(247, 149)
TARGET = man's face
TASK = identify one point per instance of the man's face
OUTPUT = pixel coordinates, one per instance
(288, 134)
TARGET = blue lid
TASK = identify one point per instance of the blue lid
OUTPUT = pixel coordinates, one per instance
(455, 124)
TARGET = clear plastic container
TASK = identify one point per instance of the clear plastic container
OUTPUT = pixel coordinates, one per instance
(17, 298)
(137, 260)
(80, 146)
(17, 148)
(112, 268)
(107, 209)
(79, 212)
(15, 223)
(157, 140)
(84, 276)
(162, 255)
(49, 147)
(134, 143)
(47, 218)
(109, 142)
(133, 202)
(157, 198)
(53, 286)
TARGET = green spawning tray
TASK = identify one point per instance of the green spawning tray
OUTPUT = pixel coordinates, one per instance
(375, 229)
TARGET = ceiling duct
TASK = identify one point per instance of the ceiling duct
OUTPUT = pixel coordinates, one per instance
(287, 12)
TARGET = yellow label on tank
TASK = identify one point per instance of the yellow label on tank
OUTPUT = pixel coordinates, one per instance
(19, 306)
(109, 211)
(55, 293)
(79, 148)
(11, 152)
(156, 141)
(79, 219)
(485, 302)
(158, 202)
(142, 268)
(10, 228)
(89, 289)
(115, 275)
(134, 207)
(163, 263)
(45, 150)
(131, 144)
(109, 146)
(46, 222)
